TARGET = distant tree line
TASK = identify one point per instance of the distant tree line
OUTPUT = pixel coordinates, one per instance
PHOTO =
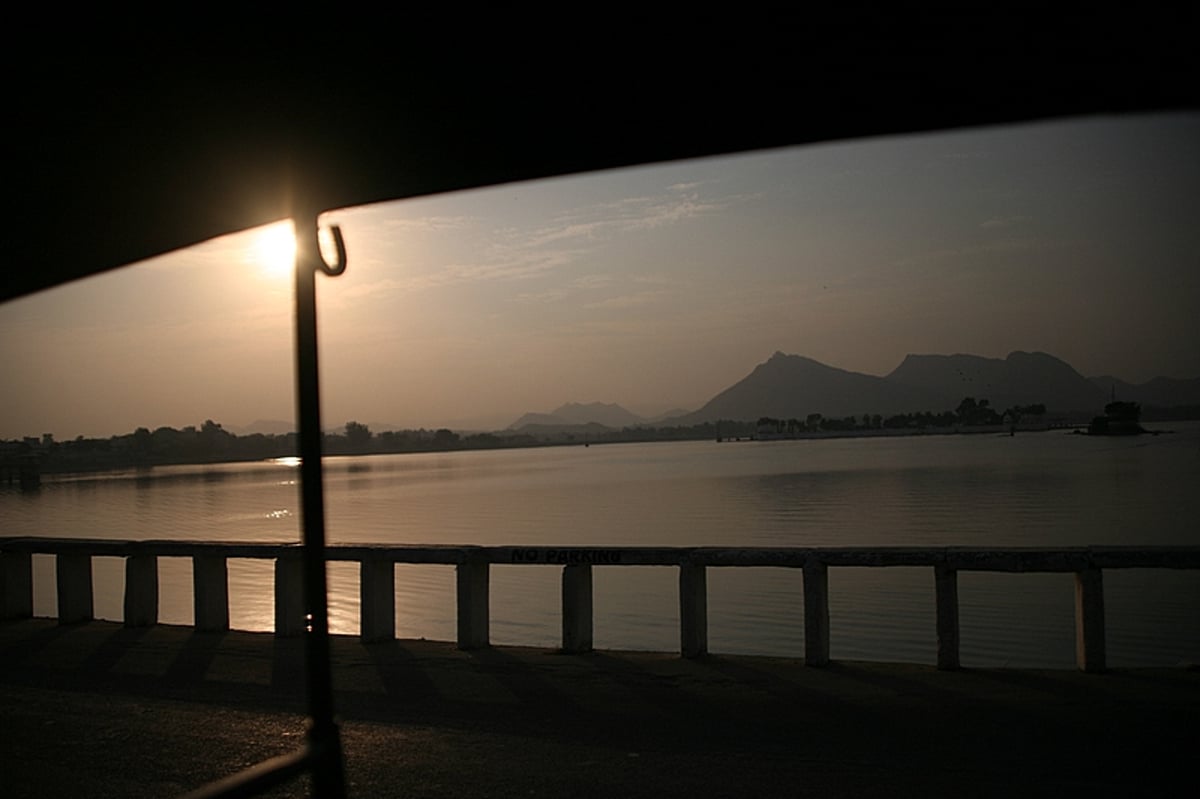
(970, 412)
(211, 443)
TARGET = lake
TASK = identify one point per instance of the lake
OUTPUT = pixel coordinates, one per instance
(1034, 489)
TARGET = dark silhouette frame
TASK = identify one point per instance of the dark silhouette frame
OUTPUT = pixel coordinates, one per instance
(145, 143)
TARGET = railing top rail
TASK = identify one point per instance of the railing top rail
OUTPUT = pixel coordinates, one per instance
(1013, 559)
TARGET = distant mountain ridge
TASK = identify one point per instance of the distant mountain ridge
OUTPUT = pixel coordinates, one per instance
(1023, 378)
(1161, 392)
(793, 386)
(790, 386)
(267, 427)
(574, 413)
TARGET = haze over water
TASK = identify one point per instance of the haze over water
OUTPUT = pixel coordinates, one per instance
(1047, 489)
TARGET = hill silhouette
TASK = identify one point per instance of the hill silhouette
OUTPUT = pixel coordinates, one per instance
(793, 386)
(1020, 379)
(576, 414)
(792, 392)
(1161, 392)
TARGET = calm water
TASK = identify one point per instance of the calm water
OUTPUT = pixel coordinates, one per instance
(1043, 489)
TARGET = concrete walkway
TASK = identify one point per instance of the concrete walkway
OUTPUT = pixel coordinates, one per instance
(98, 710)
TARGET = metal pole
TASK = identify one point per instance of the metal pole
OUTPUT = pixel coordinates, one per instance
(322, 756)
(324, 738)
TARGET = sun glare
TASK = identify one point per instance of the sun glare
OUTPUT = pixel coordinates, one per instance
(275, 249)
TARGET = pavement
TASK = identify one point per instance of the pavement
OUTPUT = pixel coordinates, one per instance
(95, 709)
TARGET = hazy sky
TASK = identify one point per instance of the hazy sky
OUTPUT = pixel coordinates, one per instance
(653, 287)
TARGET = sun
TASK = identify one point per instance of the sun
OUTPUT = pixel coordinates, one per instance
(274, 249)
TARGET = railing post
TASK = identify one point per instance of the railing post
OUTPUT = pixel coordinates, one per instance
(945, 581)
(472, 590)
(693, 610)
(377, 600)
(210, 593)
(289, 596)
(1089, 621)
(577, 608)
(16, 585)
(74, 577)
(141, 591)
(816, 614)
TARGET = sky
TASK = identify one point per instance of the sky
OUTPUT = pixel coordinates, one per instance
(653, 287)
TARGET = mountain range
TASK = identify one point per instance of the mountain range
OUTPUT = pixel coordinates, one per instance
(574, 413)
(792, 386)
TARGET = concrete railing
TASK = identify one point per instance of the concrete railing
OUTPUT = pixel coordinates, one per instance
(378, 588)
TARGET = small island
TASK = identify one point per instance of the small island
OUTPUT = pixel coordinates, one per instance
(1119, 419)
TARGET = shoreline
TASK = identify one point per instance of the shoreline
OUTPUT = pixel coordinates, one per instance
(135, 469)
